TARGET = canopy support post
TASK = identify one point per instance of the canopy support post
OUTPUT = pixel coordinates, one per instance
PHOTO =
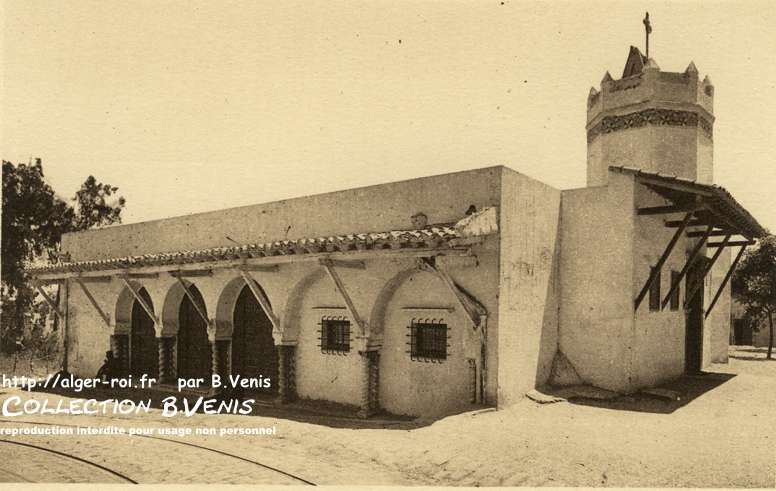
(51, 303)
(725, 280)
(105, 317)
(261, 299)
(474, 310)
(697, 285)
(666, 253)
(687, 264)
(193, 301)
(328, 265)
(140, 300)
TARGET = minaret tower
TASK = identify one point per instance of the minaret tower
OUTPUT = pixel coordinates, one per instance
(652, 120)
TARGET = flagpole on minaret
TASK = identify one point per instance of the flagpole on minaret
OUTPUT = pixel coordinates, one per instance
(648, 29)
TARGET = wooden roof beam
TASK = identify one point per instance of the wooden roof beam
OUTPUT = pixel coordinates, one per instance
(263, 268)
(51, 303)
(191, 273)
(105, 317)
(474, 310)
(261, 299)
(140, 299)
(731, 244)
(693, 223)
(340, 286)
(667, 209)
(699, 281)
(725, 280)
(690, 260)
(191, 298)
(666, 253)
(714, 233)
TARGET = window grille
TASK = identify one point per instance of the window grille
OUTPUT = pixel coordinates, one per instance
(335, 335)
(428, 340)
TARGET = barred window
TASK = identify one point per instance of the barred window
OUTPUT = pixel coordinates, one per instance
(428, 340)
(335, 335)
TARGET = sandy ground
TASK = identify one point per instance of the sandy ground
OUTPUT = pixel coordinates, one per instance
(721, 434)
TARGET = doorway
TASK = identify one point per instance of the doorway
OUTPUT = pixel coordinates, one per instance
(144, 352)
(693, 340)
(194, 351)
(253, 348)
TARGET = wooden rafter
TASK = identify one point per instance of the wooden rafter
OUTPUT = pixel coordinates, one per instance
(725, 280)
(194, 302)
(699, 282)
(105, 317)
(95, 279)
(667, 209)
(192, 273)
(690, 260)
(329, 267)
(666, 253)
(51, 303)
(474, 310)
(142, 276)
(261, 299)
(672, 186)
(141, 300)
(354, 255)
(693, 223)
(264, 268)
(339, 263)
(732, 244)
(714, 233)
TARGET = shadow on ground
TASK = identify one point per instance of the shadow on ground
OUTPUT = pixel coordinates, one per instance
(305, 411)
(751, 353)
(686, 389)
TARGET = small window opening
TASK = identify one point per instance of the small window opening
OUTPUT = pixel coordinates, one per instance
(428, 340)
(335, 335)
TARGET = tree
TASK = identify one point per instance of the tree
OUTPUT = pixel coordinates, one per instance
(754, 285)
(33, 221)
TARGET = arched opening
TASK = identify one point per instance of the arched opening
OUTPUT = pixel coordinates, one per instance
(144, 352)
(194, 351)
(253, 348)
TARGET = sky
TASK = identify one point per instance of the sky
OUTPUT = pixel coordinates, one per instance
(195, 106)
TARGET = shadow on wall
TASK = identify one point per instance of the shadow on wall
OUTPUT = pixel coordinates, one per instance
(688, 388)
(550, 336)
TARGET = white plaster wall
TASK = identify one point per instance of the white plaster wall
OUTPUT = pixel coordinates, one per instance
(326, 376)
(672, 150)
(291, 290)
(88, 336)
(528, 308)
(658, 347)
(596, 278)
(319, 376)
(416, 387)
(443, 198)
(717, 325)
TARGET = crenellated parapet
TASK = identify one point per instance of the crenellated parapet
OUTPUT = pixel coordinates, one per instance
(652, 120)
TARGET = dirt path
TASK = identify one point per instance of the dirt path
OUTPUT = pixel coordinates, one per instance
(721, 435)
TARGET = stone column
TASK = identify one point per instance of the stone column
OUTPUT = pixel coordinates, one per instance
(220, 357)
(166, 360)
(370, 388)
(286, 382)
(119, 344)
